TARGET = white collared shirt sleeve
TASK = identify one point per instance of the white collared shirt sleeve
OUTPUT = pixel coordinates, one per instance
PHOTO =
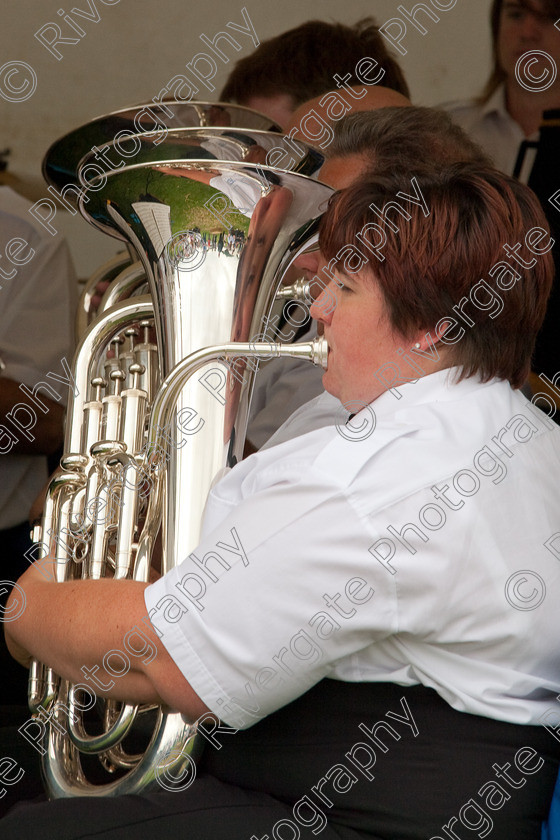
(250, 617)
(266, 619)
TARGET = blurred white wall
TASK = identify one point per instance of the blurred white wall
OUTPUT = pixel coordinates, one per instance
(137, 46)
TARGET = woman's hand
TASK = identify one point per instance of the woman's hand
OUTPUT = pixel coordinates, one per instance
(19, 653)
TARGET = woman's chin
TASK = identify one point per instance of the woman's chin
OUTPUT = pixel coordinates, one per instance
(330, 385)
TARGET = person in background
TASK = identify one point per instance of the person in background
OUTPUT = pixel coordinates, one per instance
(510, 111)
(307, 61)
(286, 78)
(365, 144)
(37, 306)
(506, 113)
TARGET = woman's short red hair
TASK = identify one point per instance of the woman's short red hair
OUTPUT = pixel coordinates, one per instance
(433, 263)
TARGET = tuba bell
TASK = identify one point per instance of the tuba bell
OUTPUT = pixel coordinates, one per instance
(118, 133)
(214, 230)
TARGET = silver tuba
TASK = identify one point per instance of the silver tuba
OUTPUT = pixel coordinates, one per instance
(116, 134)
(149, 429)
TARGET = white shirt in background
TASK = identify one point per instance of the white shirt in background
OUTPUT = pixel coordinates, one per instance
(323, 410)
(496, 132)
(37, 309)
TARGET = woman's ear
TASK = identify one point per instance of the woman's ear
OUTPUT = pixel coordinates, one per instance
(425, 339)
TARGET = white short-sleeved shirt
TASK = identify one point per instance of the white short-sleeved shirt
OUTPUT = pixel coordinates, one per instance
(493, 128)
(37, 309)
(414, 555)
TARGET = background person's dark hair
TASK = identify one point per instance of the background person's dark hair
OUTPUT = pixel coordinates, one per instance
(551, 8)
(409, 138)
(301, 63)
(433, 262)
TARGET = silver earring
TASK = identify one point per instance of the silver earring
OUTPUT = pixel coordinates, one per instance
(417, 346)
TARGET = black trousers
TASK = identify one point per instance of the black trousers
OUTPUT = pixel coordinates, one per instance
(344, 761)
(14, 542)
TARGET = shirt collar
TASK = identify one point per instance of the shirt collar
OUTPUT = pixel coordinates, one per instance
(441, 386)
(497, 103)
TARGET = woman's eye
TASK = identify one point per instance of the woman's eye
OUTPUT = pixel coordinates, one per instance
(514, 14)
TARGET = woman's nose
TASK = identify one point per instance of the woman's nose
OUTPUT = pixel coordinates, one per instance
(324, 305)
